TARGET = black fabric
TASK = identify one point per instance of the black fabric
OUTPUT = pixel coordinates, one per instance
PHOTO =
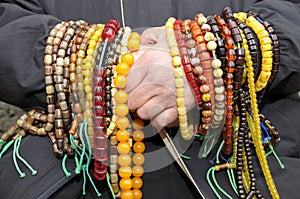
(24, 26)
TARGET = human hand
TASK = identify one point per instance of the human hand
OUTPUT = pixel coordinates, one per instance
(151, 82)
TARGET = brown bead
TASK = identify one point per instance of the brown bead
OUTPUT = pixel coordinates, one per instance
(204, 56)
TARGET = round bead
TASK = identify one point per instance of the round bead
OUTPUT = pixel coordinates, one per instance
(218, 73)
(125, 171)
(123, 147)
(125, 184)
(120, 81)
(134, 44)
(202, 20)
(137, 171)
(135, 35)
(216, 63)
(121, 110)
(137, 183)
(209, 36)
(137, 194)
(138, 135)
(176, 61)
(178, 72)
(124, 160)
(121, 97)
(123, 68)
(137, 124)
(139, 147)
(127, 58)
(138, 159)
(206, 97)
(122, 122)
(128, 194)
(122, 135)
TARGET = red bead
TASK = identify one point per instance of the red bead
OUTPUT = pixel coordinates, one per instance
(190, 77)
(187, 68)
(185, 60)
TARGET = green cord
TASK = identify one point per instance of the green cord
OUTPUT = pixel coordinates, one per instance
(206, 152)
(210, 184)
(238, 45)
(109, 185)
(33, 171)
(219, 151)
(185, 157)
(67, 173)
(6, 147)
(232, 183)
(22, 174)
(276, 156)
(102, 53)
(218, 186)
(84, 182)
(2, 142)
(77, 170)
(233, 178)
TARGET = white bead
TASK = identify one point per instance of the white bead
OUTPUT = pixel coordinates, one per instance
(216, 63)
(211, 45)
(202, 20)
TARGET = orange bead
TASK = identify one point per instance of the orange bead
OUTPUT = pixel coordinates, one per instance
(126, 184)
(127, 58)
(139, 147)
(121, 97)
(124, 160)
(137, 171)
(125, 172)
(134, 45)
(137, 194)
(128, 194)
(137, 124)
(137, 183)
(138, 135)
(122, 135)
(138, 159)
(122, 122)
(121, 110)
(123, 68)
(123, 147)
(120, 81)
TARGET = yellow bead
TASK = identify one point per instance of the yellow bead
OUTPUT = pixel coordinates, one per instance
(127, 58)
(124, 160)
(267, 54)
(267, 61)
(266, 47)
(88, 89)
(180, 92)
(206, 97)
(216, 63)
(218, 72)
(120, 81)
(121, 97)
(174, 51)
(182, 118)
(169, 24)
(265, 40)
(266, 67)
(123, 68)
(90, 51)
(87, 66)
(180, 101)
(176, 61)
(258, 27)
(179, 83)
(181, 110)
(263, 34)
(98, 33)
(248, 58)
(211, 45)
(135, 35)
(125, 171)
(249, 63)
(183, 125)
(122, 122)
(122, 135)
(134, 44)
(209, 36)
(242, 16)
(178, 72)
(172, 19)
(86, 81)
(121, 110)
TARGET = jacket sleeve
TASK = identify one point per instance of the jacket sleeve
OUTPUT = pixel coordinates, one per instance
(23, 32)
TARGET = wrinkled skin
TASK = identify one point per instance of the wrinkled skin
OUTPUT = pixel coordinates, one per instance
(151, 85)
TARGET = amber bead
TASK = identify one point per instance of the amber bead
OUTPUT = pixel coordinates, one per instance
(138, 159)
(137, 183)
(137, 124)
(127, 58)
(126, 184)
(121, 96)
(127, 194)
(123, 68)
(123, 147)
(125, 171)
(122, 135)
(137, 194)
(137, 171)
(138, 135)
(139, 147)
